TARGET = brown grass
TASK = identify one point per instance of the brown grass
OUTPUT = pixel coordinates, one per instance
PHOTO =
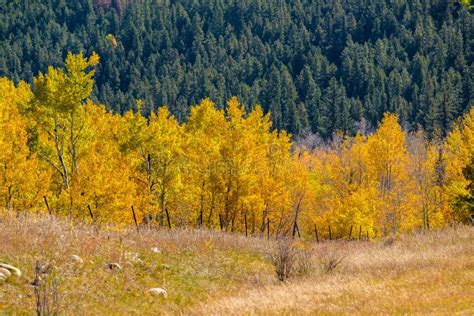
(208, 272)
(422, 273)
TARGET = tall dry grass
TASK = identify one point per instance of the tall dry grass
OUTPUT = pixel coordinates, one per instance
(191, 265)
(207, 272)
(423, 273)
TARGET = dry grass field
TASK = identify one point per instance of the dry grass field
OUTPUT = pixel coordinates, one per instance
(206, 272)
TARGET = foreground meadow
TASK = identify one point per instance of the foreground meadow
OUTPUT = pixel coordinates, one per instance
(91, 270)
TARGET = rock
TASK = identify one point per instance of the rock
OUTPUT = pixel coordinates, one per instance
(114, 266)
(133, 257)
(44, 269)
(77, 259)
(156, 250)
(6, 273)
(158, 291)
(11, 268)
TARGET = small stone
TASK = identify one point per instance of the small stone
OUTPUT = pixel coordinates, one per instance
(114, 266)
(44, 269)
(133, 257)
(77, 259)
(11, 268)
(6, 273)
(158, 291)
(156, 250)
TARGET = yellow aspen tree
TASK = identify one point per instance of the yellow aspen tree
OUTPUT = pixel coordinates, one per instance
(425, 167)
(166, 157)
(132, 137)
(103, 182)
(154, 149)
(441, 212)
(23, 182)
(263, 150)
(336, 173)
(205, 130)
(387, 158)
(236, 163)
(58, 112)
(363, 202)
(316, 185)
(253, 139)
(300, 194)
(273, 184)
(345, 181)
(357, 195)
(459, 153)
(342, 192)
(332, 168)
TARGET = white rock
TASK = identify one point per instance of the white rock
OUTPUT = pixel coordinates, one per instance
(114, 266)
(158, 291)
(11, 268)
(133, 257)
(77, 259)
(156, 250)
(6, 273)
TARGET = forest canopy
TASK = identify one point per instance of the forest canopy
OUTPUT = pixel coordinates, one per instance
(321, 66)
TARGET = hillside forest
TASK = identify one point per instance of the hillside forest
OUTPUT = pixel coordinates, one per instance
(316, 66)
(224, 167)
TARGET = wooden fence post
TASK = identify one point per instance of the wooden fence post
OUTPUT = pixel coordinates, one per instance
(316, 233)
(268, 228)
(245, 221)
(330, 234)
(168, 218)
(135, 219)
(220, 221)
(350, 233)
(47, 205)
(90, 213)
(360, 231)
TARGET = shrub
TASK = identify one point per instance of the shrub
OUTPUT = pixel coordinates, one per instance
(290, 258)
(283, 258)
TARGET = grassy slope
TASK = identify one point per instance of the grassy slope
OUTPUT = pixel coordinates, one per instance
(211, 272)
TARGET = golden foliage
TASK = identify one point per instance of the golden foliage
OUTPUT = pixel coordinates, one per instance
(221, 168)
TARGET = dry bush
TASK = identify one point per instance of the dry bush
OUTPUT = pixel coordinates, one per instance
(305, 262)
(283, 258)
(331, 263)
(291, 258)
(330, 257)
(45, 287)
